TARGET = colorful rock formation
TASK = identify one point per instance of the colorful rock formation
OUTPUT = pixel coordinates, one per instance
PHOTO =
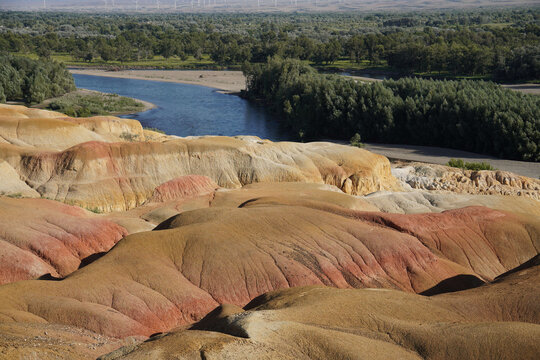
(98, 168)
(39, 237)
(250, 223)
(154, 281)
(486, 182)
(498, 320)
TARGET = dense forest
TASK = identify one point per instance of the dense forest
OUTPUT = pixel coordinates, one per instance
(497, 44)
(469, 115)
(32, 81)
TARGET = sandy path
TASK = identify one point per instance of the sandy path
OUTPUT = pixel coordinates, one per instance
(436, 155)
(227, 81)
(533, 89)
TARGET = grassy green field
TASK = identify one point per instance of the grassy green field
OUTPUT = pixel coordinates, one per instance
(345, 64)
(447, 75)
(83, 103)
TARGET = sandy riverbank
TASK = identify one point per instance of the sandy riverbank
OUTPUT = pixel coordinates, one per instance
(226, 81)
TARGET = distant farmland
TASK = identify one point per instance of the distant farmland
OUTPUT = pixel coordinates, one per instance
(250, 5)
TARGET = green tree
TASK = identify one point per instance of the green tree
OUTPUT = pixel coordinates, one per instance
(469, 115)
(36, 88)
(106, 52)
(2, 94)
(43, 52)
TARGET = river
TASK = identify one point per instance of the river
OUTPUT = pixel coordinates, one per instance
(187, 110)
(190, 110)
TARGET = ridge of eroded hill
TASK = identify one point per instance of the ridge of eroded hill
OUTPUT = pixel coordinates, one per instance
(499, 320)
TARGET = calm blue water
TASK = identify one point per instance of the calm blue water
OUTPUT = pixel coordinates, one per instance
(186, 110)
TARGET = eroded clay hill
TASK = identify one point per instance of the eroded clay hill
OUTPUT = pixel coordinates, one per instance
(39, 237)
(495, 321)
(113, 164)
(422, 201)
(25, 127)
(153, 281)
(191, 224)
(444, 178)
(43, 237)
(52, 341)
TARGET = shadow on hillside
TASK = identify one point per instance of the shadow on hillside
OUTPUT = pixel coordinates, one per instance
(456, 283)
(534, 261)
(91, 258)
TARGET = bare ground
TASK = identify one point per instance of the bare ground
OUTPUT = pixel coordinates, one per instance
(437, 155)
(533, 89)
(227, 81)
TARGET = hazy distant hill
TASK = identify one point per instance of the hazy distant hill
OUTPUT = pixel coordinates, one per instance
(250, 5)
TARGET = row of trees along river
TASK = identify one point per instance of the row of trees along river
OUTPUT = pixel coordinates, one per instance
(468, 115)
